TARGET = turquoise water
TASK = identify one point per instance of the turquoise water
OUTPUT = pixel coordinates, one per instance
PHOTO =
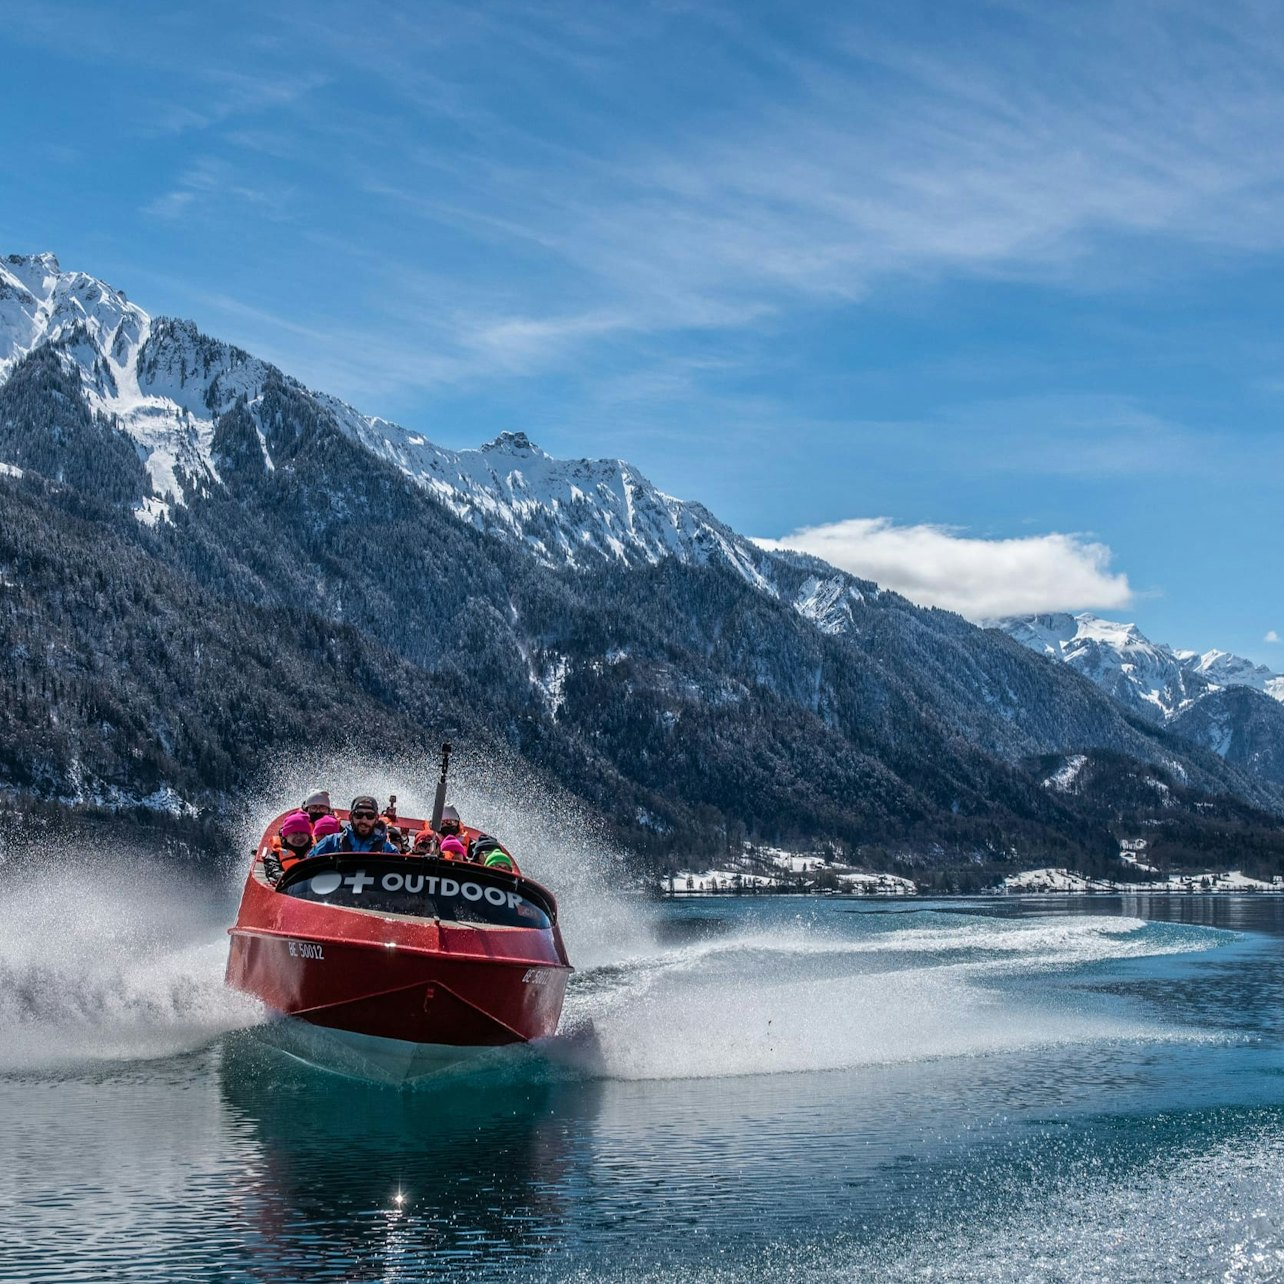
(757, 1089)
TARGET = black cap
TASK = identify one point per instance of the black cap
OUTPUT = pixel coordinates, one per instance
(365, 800)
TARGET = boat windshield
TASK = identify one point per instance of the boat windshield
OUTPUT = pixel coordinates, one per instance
(422, 889)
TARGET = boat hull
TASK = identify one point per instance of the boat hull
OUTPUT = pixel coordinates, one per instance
(392, 991)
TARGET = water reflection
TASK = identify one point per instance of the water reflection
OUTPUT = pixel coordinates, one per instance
(1252, 913)
(360, 1180)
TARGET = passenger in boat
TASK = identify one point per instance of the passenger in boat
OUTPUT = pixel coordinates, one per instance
(396, 834)
(362, 833)
(449, 844)
(317, 805)
(327, 825)
(488, 851)
(453, 849)
(450, 823)
(295, 839)
(426, 843)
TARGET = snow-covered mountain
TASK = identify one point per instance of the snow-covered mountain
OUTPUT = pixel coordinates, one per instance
(160, 381)
(164, 384)
(1216, 700)
(1119, 658)
(1240, 725)
(1151, 677)
(583, 512)
(1226, 670)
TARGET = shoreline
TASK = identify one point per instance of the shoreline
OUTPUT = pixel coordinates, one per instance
(1168, 893)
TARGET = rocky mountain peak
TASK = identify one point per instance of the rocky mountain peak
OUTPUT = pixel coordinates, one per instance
(513, 443)
(38, 266)
(793, 691)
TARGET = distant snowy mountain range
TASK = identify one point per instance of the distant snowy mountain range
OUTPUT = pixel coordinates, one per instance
(1151, 677)
(165, 385)
(1219, 701)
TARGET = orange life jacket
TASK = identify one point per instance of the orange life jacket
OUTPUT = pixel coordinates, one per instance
(288, 856)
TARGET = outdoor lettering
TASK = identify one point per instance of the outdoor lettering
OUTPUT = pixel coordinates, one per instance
(413, 892)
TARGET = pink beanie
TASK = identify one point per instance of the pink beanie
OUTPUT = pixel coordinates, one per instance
(325, 826)
(453, 847)
(297, 822)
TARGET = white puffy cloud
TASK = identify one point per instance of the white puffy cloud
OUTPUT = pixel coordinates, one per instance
(982, 579)
(1271, 636)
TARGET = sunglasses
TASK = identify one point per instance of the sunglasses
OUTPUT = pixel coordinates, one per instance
(363, 815)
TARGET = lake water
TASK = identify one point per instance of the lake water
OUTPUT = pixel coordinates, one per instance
(749, 1089)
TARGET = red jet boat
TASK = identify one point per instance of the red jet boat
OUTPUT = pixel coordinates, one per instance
(394, 966)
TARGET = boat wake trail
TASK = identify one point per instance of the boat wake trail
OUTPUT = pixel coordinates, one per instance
(107, 961)
(837, 993)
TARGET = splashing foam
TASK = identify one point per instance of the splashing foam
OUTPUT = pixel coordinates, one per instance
(108, 958)
(554, 839)
(115, 958)
(804, 998)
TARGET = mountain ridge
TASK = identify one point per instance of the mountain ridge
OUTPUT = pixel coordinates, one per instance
(692, 687)
(165, 384)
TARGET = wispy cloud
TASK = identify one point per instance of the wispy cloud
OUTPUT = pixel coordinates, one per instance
(209, 181)
(223, 95)
(655, 169)
(983, 579)
(1048, 145)
(520, 343)
(345, 360)
(1071, 435)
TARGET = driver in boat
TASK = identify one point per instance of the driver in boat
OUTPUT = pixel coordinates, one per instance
(362, 833)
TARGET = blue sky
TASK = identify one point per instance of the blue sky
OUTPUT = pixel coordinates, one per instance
(1008, 278)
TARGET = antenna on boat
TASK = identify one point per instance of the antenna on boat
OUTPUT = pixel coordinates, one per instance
(439, 803)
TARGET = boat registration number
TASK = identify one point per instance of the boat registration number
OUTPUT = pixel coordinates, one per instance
(306, 950)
